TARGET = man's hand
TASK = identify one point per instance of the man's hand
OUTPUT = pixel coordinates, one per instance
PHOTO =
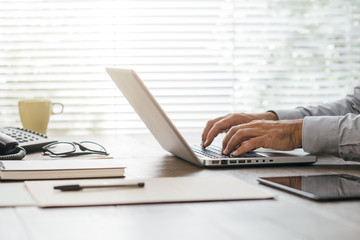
(279, 135)
(223, 124)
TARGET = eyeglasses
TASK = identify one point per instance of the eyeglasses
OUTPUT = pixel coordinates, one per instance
(68, 149)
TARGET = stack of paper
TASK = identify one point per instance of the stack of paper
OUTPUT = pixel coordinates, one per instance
(60, 169)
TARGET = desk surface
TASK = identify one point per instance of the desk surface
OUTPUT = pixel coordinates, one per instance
(286, 217)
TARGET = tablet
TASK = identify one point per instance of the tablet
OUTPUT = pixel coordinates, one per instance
(318, 187)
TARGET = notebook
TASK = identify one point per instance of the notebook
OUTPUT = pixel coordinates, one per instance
(168, 136)
(60, 169)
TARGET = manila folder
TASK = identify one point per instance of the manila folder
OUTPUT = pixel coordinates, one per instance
(156, 190)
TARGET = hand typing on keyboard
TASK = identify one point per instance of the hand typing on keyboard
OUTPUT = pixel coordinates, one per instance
(246, 132)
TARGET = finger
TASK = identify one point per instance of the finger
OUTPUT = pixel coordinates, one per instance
(228, 136)
(207, 128)
(239, 135)
(214, 131)
(251, 125)
(249, 145)
(218, 127)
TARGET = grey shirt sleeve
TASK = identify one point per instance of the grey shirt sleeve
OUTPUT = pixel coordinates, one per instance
(349, 104)
(332, 128)
(336, 135)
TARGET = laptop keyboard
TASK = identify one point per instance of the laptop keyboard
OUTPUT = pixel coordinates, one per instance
(214, 152)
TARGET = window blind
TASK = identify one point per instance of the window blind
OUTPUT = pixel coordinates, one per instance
(200, 58)
(290, 53)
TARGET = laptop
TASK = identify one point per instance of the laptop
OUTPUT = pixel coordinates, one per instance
(168, 136)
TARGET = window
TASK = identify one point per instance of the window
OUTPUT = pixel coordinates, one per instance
(289, 53)
(200, 58)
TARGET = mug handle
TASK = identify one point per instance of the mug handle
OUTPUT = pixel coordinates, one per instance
(60, 104)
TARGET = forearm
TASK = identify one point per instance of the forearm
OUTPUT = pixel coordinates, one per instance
(349, 104)
(337, 108)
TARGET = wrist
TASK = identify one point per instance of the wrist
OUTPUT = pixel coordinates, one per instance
(263, 116)
(298, 131)
(270, 116)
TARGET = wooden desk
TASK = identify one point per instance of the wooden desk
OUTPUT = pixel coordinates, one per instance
(286, 217)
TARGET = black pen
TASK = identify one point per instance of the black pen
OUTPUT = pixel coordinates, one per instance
(77, 187)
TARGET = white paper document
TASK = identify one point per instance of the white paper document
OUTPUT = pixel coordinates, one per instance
(15, 194)
(156, 190)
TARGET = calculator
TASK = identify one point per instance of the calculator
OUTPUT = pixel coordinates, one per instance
(31, 141)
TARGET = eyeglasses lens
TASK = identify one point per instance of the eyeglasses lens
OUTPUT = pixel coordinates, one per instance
(93, 146)
(60, 148)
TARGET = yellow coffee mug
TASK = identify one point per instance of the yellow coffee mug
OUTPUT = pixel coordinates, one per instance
(35, 113)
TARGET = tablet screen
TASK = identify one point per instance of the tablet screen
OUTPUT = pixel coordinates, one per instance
(319, 187)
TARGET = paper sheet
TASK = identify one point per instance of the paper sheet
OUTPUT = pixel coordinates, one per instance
(156, 190)
(15, 194)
